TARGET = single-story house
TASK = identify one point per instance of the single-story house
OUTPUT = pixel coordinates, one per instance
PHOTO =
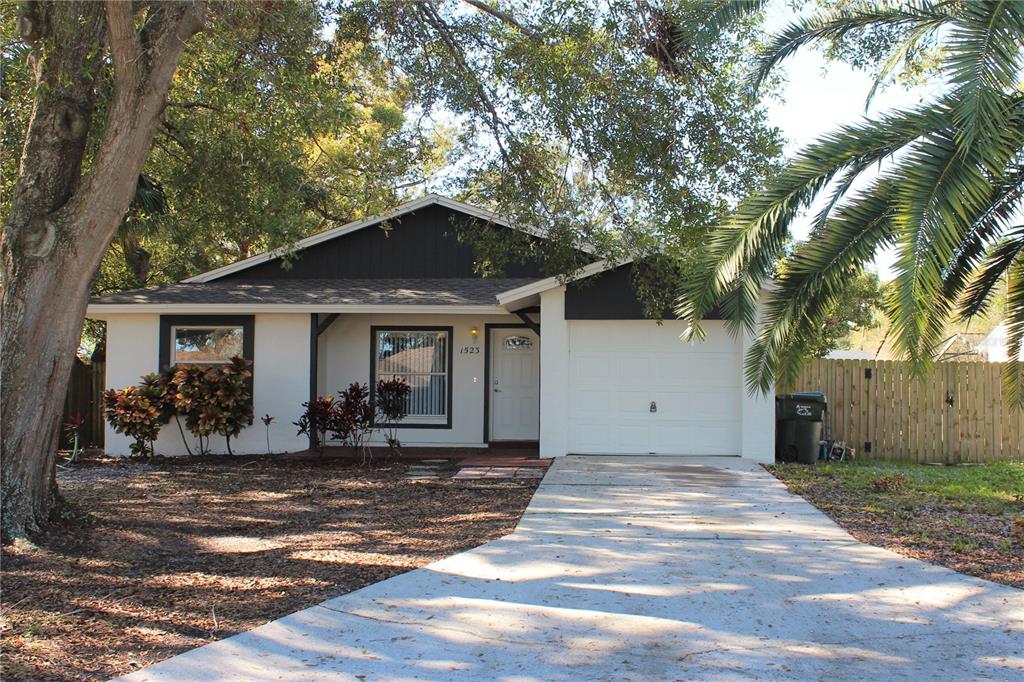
(575, 368)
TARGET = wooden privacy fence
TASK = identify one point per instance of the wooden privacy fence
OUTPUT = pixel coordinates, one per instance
(85, 396)
(955, 414)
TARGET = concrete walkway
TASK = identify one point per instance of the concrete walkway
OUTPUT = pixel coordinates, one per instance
(643, 568)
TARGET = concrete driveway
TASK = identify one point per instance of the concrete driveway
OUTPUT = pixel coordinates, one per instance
(644, 568)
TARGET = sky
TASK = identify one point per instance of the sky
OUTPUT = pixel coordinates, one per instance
(819, 96)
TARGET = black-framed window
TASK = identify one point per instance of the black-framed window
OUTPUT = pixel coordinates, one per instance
(205, 339)
(422, 357)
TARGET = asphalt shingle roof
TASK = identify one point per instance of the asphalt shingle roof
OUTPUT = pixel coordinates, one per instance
(476, 291)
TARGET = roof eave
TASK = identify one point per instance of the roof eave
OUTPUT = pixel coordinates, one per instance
(100, 310)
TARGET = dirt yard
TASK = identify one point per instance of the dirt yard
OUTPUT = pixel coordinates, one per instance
(968, 518)
(160, 559)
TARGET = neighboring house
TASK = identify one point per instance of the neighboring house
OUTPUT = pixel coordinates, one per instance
(521, 358)
(993, 346)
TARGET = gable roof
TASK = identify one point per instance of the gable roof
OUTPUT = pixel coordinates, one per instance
(327, 235)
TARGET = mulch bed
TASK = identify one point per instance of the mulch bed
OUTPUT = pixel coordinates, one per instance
(159, 559)
(971, 539)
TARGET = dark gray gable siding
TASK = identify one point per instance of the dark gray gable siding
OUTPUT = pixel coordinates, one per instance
(422, 244)
(609, 296)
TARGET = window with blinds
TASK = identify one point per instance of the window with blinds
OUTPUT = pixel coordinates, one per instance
(421, 358)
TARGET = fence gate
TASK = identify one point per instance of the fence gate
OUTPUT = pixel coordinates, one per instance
(955, 414)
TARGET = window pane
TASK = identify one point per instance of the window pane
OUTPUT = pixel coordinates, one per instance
(429, 395)
(218, 344)
(421, 359)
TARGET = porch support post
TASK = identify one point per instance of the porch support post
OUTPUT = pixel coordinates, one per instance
(554, 374)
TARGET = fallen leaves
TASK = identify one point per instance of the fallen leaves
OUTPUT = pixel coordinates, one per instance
(165, 558)
(960, 532)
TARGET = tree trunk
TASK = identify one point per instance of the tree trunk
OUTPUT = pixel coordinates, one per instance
(61, 223)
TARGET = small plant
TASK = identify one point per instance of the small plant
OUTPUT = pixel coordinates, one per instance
(192, 403)
(73, 430)
(267, 421)
(139, 412)
(392, 402)
(353, 420)
(317, 419)
(212, 400)
(231, 397)
(889, 483)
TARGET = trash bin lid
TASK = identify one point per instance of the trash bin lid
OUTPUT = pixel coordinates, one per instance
(808, 396)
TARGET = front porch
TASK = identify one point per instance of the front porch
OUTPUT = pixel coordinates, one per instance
(475, 377)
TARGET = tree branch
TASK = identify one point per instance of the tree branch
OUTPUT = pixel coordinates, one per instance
(506, 17)
(124, 44)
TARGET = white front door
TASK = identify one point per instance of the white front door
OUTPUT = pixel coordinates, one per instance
(515, 389)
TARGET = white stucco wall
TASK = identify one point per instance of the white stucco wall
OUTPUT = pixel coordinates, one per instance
(554, 373)
(757, 417)
(280, 379)
(344, 357)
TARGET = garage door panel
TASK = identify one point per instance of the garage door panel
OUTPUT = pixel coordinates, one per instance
(632, 371)
(593, 403)
(619, 367)
(591, 437)
(591, 369)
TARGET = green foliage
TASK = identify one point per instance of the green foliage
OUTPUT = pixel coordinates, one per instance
(947, 198)
(857, 310)
(273, 130)
(139, 412)
(212, 400)
(621, 126)
(352, 421)
(391, 399)
(316, 420)
(995, 487)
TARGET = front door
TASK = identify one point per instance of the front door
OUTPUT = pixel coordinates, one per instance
(515, 385)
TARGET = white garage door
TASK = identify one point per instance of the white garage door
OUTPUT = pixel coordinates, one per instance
(635, 388)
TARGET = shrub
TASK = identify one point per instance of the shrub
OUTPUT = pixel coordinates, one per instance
(392, 403)
(212, 400)
(231, 398)
(353, 418)
(318, 417)
(139, 412)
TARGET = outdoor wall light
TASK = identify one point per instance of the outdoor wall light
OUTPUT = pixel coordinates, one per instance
(473, 332)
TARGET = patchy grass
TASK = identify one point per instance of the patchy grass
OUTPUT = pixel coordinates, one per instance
(161, 559)
(968, 518)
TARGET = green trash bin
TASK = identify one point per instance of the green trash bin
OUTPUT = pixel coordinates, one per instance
(798, 418)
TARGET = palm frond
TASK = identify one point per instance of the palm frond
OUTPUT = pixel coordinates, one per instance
(1013, 371)
(817, 275)
(962, 280)
(998, 260)
(984, 63)
(743, 252)
(835, 24)
(941, 196)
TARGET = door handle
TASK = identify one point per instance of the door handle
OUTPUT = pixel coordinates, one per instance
(497, 390)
